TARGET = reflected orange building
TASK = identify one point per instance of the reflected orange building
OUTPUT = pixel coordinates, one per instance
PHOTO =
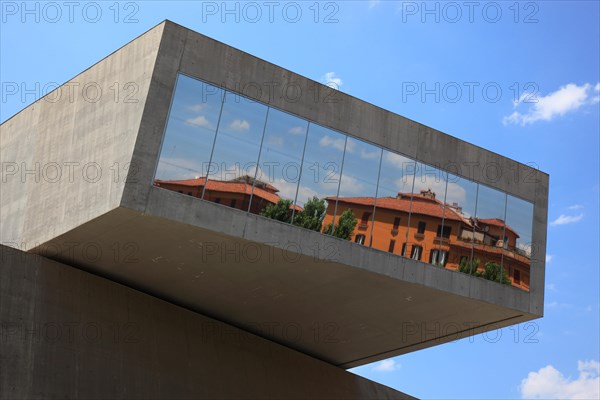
(234, 193)
(437, 233)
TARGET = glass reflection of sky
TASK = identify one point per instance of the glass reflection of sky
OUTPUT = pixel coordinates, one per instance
(190, 130)
(360, 170)
(430, 178)
(322, 163)
(519, 216)
(462, 192)
(397, 173)
(238, 138)
(490, 203)
(190, 134)
(281, 155)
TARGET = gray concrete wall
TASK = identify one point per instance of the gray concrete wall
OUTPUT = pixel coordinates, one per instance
(68, 334)
(65, 158)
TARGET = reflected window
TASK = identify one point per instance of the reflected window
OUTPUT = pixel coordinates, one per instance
(360, 239)
(364, 220)
(392, 245)
(416, 252)
(438, 257)
(396, 223)
(421, 228)
(444, 231)
(517, 277)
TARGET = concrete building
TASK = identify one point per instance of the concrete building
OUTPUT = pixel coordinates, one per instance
(115, 285)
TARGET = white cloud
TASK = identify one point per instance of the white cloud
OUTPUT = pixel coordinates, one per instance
(388, 365)
(373, 3)
(305, 193)
(405, 164)
(596, 98)
(566, 219)
(549, 383)
(200, 120)
(551, 287)
(332, 80)
(170, 168)
(526, 247)
(338, 144)
(575, 207)
(240, 125)
(276, 141)
(548, 258)
(297, 130)
(369, 155)
(349, 185)
(197, 107)
(566, 99)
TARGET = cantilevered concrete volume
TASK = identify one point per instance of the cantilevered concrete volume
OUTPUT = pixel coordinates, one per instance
(261, 200)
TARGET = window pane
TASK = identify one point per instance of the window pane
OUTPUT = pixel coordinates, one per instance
(517, 252)
(320, 178)
(280, 162)
(358, 187)
(189, 136)
(393, 201)
(235, 156)
(489, 224)
(459, 211)
(427, 209)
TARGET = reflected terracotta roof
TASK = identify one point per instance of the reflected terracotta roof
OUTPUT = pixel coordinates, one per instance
(497, 222)
(421, 205)
(228, 187)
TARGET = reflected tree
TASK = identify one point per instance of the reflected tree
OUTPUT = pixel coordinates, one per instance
(311, 217)
(345, 227)
(491, 271)
(469, 266)
(494, 272)
(281, 211)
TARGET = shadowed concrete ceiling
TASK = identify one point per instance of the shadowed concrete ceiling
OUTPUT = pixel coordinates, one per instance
(341, 314)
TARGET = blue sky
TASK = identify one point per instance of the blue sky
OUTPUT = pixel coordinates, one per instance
(421, 65)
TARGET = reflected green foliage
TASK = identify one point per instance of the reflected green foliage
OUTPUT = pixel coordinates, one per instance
(280, 211)
(312, 215)
(491, 271)
(469, 266)
(494, 272)
(345, 227)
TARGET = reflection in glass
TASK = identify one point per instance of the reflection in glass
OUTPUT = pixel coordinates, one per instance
(490, 226)
(279, 164)
(393, 203)
(460, 204)
(321, 171)
(235, 155)
(430, 226)
(266, 161)
(358, 189)
(189, 136)
(517, 251)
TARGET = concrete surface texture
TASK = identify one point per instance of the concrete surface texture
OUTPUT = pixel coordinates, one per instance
(69, 334)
